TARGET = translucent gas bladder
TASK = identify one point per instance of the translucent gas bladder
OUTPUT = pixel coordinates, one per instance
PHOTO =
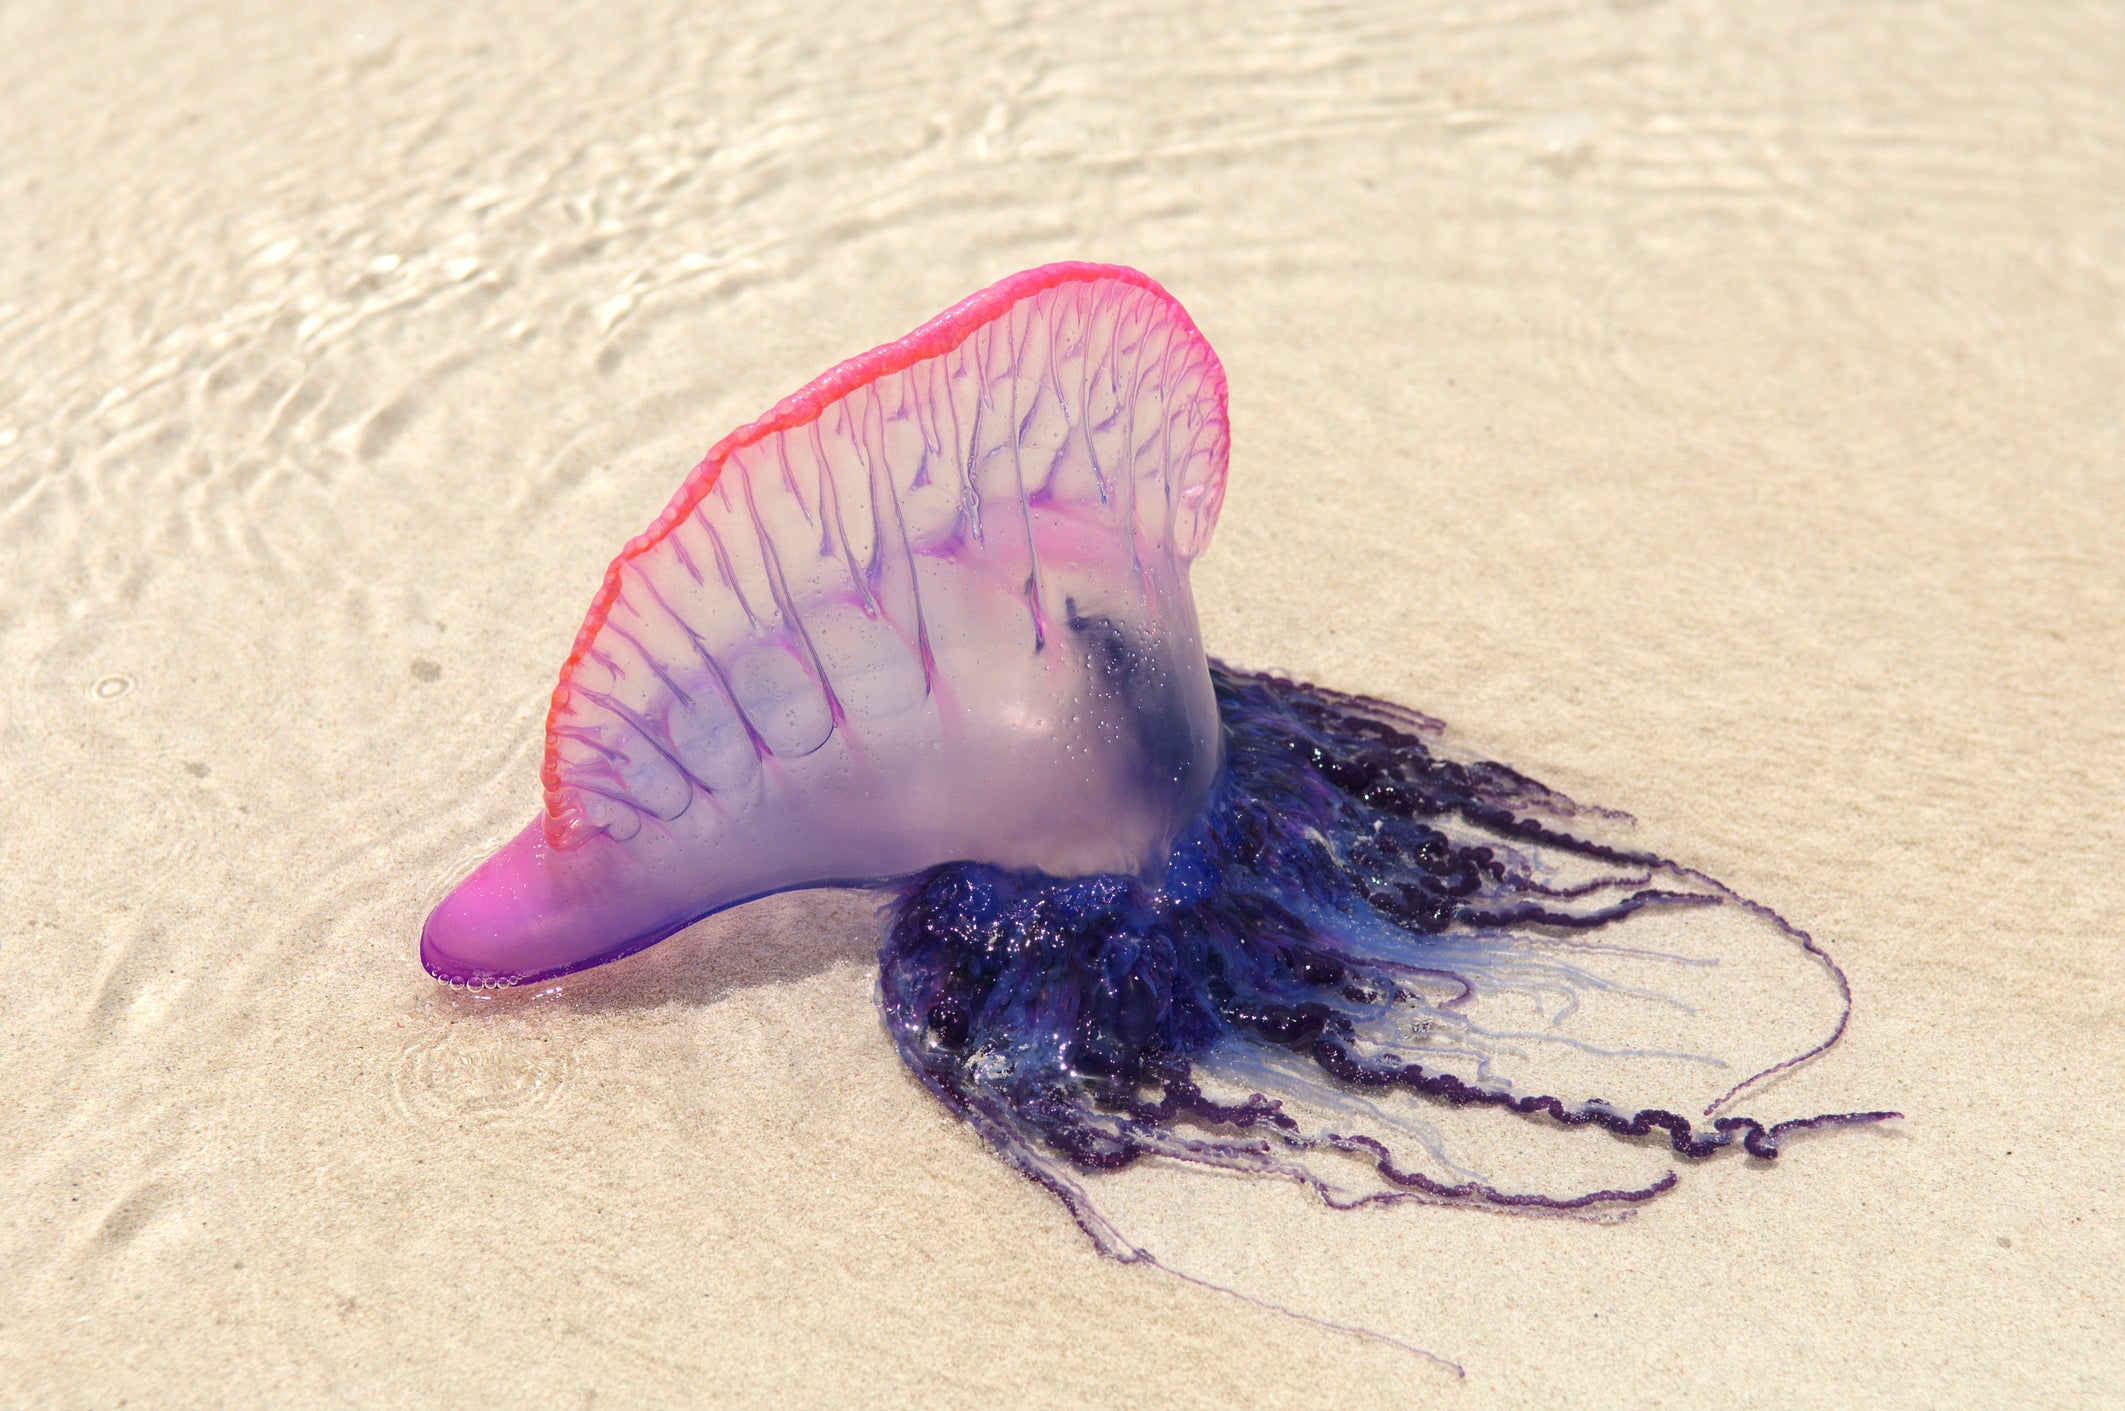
(934, 607)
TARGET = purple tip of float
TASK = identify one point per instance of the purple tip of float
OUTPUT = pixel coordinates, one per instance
(933, 607)
(529, 913)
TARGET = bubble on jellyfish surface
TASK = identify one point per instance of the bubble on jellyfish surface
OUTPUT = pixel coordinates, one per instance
(926, 627)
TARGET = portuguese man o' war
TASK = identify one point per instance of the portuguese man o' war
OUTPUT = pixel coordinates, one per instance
(926, 626)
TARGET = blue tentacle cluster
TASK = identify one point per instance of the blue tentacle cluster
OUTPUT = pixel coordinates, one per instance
(1319, 936)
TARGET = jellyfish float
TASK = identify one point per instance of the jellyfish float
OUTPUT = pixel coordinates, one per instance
(926, 627)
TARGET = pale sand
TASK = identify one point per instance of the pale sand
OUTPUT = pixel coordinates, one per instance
(1712, 409)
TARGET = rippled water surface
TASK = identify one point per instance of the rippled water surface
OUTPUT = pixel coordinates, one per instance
(1713, 409)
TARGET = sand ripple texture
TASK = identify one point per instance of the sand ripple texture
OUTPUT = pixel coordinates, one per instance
(1712, 408)
(478, 1073)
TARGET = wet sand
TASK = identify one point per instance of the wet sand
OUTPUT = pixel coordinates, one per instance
(1712, 411)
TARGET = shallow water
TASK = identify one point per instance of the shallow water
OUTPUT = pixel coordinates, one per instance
(1712, 411)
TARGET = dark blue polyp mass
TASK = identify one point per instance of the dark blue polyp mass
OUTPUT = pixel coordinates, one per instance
(1325, 933)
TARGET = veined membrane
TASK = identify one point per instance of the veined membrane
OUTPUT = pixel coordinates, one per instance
(933, 607)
